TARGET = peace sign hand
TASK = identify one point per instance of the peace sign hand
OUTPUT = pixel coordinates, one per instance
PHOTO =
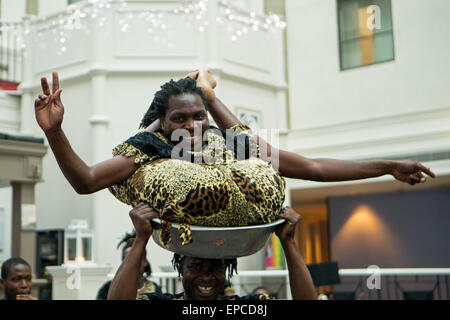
(48, 107)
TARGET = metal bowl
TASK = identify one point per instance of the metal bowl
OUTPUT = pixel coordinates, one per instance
(218, 242)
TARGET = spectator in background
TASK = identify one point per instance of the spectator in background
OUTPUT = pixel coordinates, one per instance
(144, 284)
(229, 289)
(264, 290)
(16, 279)
(260, 290)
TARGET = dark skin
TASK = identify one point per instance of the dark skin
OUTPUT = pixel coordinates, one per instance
(261, 291)
(204, 279)
(125, 283)
(144, 263)
(186, 112)
(17, 286)
(85, 179)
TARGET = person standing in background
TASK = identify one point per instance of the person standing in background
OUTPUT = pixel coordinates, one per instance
(16, 280)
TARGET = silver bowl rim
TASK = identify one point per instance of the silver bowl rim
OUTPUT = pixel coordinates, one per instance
(200, 228)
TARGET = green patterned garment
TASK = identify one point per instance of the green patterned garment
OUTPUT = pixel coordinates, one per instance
(228, 192)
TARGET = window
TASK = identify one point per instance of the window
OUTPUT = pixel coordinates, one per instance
(32, 7)
(275, 6)
(365, 32)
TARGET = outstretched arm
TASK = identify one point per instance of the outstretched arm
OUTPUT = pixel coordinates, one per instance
(124, 286)
(292, 165)
(85, 179)
(300, 281)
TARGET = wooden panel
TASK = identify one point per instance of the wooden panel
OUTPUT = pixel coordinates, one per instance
(312, 236)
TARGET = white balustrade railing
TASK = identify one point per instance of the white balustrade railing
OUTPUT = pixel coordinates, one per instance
(171, 282)
(11, 51)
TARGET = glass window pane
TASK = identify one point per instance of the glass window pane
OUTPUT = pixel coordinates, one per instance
(348, 20)
(359, 44)
(71, 249)
(87, 248)
(384, 47)
(350, 54)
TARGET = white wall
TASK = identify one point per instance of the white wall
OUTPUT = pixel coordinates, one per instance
(13, 10)
(418, 79)
(256, 6)
(47, 7)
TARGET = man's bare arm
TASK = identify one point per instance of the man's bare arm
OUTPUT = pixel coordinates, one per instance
(49, 112)
(124, 286)
(300, 281)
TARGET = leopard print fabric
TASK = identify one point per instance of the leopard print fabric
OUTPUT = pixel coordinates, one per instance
(224, 193)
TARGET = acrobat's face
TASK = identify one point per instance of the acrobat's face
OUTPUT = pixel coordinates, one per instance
(203, 279)
(188, 113)
(18, 281)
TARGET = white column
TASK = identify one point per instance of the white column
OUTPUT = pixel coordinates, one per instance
(281, 111)
(212, 39)
(100, 151)
(287, 199)
(26, 112)
(27, 99)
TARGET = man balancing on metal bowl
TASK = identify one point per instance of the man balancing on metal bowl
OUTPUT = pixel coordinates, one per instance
(211, 177)
(204, 279)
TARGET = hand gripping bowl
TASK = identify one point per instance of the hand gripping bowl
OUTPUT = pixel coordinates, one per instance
(218, 242)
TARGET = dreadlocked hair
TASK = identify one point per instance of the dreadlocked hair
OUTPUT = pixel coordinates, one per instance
(160, 103)
(230, 265)
(127, 239)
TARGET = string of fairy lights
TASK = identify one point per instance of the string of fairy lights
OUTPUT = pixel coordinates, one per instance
(94, 14)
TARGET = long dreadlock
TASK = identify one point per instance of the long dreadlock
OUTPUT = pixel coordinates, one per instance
(159, 105)
(230, 265)
(127, 239)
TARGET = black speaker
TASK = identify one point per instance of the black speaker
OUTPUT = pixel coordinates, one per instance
(49, 249)
(324, 274)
